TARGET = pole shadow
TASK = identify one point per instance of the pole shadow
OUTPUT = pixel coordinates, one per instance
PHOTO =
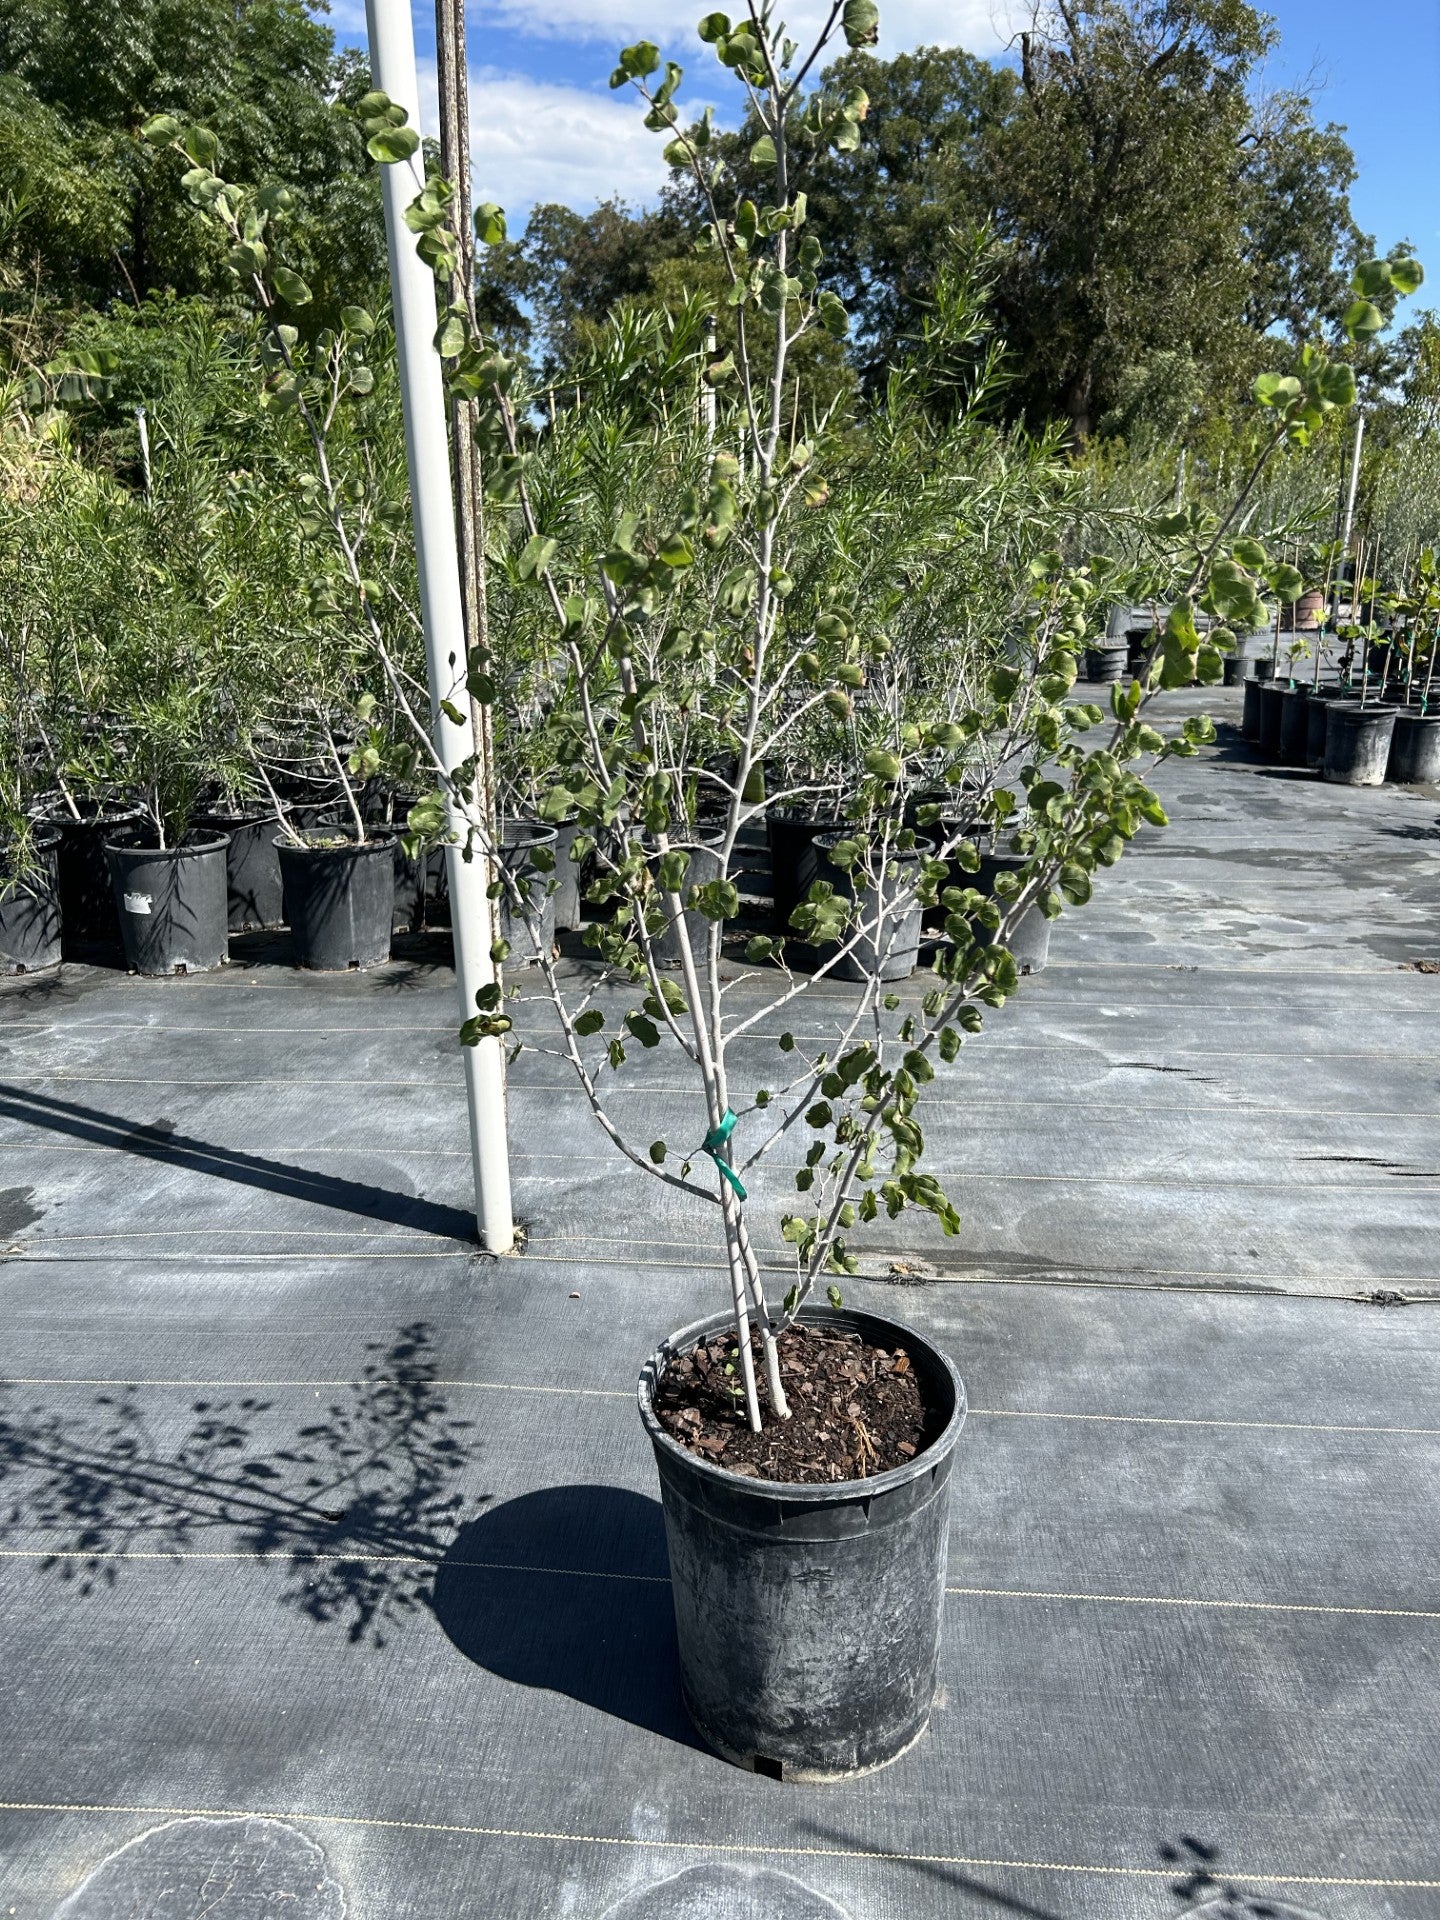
(957, 1880)
(568, 1589)
(160, 1141)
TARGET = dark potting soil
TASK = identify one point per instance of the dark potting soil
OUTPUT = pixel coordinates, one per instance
(855, 1410)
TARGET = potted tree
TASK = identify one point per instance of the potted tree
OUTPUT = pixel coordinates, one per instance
(804, 1448)
(338, 879)
(29, 879)
(1415, 744)
(168, 874)
(65, 752)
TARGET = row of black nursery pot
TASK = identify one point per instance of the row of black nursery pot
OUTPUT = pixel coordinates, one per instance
(1351, 735)
(799, 847)
(91, 888)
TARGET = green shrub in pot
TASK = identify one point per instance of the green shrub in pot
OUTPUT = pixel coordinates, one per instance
(709, 600)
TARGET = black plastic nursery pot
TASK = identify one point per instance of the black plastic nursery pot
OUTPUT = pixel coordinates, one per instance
(30, 906)
(809, 1616)
(1250, 713)
(1233, 670)
(1415, 750)
(1262, 668)
(566, 901)
(1104, 664)
(339, 899)
(1294, 722)
(1029, 941)
(704, 866)
(172, 902)
(408, 910)
(892, 950)
(794, 865)
(519, 840)
(1357, 743)
(89, 922)
(1272, 700)
(1316, 707)
(252, 866)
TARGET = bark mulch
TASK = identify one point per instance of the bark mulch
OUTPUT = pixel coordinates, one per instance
(855, 1410)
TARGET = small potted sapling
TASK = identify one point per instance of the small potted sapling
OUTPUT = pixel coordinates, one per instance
(69, 770)
(168, 874)
(29, 877)
(804, 1446)
(1415, 748)
(338, 879)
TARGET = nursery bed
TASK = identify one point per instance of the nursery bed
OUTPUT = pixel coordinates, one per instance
(1194, 1599)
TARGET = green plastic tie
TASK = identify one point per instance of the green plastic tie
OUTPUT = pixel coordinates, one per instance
(715, 1141)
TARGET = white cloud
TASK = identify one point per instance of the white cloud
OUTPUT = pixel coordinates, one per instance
(535, 140)
(531, 141)
(981, 25)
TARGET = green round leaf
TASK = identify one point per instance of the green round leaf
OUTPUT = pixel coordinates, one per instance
(860, 23)
(1363, 320)
(290, 287)
(392, 144)
(1406, 275)
(490, 226)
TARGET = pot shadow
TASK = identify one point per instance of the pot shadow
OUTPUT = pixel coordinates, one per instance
(568, 1589)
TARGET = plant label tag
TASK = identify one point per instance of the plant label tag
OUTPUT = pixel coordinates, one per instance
(137, 902)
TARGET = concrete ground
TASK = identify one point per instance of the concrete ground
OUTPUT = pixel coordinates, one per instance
(332, 1570)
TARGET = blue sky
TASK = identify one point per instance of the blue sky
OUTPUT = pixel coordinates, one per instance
(546, 126)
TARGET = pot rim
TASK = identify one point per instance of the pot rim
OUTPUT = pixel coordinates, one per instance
(794, 813)
(213, 842)
(44, 837)
(377, 840)
(807, 1492)
(243, 815)
(106, 814)
(518, 835)
(830, 838)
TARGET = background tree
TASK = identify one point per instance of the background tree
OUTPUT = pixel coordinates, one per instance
(569, 269)
(887, 206)
(1117, 184)
(91, 214)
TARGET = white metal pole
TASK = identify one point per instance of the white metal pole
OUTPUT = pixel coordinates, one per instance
(427, 452)
(144, 432)
(1350, 505)
(711, 349)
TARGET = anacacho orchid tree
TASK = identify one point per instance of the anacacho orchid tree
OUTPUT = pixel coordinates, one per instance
(724, 643)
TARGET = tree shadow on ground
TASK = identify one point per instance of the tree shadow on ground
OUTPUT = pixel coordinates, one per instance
(160, 1141)
(1410, 833)
(1209, 1894)
(359, 1503)
(1205, 1891)
(568, 1589)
